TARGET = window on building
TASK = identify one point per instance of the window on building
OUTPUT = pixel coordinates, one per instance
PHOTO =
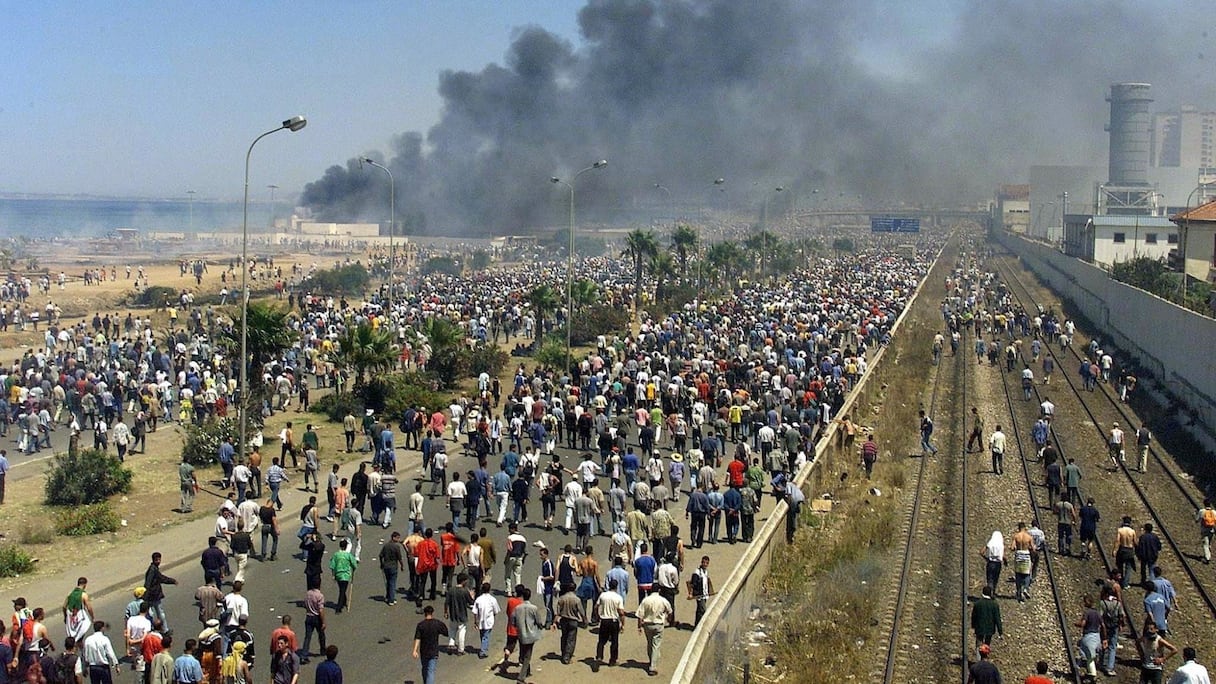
(1150, 238)
(1172, 238)
(1120, 238)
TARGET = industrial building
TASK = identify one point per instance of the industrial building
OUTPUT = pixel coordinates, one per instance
(1013, 208)
(1105, 240)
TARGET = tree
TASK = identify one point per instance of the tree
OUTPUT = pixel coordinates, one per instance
(640, 247)
(585, 292)
(269, 334)
(761, 247)
(663, 268)
(480, 260)
(441, 264)
(367, 351)
(843, 245)
(683, 243)
(346, 279)
(449, 359)
(545, 303)
(725, 260)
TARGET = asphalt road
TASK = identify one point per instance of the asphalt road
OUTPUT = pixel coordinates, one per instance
(376, 639)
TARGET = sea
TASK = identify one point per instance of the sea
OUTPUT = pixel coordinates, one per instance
(58, 217)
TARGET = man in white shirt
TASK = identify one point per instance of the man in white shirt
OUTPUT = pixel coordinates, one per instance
(485, 607)
(457, 491)
(996, 444)
(1190, 672)
(97, 655)
(235, 605)
(610, 608)
(572, 491)
(138, 626)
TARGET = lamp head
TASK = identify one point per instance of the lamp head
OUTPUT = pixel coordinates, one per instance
(555, 179)
(600, 164)
(780, 188)
(295, 123)
(719, 181)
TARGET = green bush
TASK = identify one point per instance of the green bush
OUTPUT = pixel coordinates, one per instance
(488, 358)
(450, 365)
(347, 279)
(551, 353)
(335, 405)
(414, 389)
(441, 264)
(82, 521)
(14, 561)
(202, 443)
(598, 320)
(85, 477)
(155, 296)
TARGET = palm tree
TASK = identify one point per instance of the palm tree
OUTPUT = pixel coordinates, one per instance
(585, 292)
(725, 259)
(640, 247)
(367, 351)
(684, 243)
(442, 334)
(545, 302)
(662, 267)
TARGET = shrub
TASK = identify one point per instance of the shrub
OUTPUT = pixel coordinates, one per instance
(335, 405)
(155, 296)
(35, 534)
(489, 359)
(202, 443)
(85, 477)
(441, 264)
(14, 561)
(450, 365)
(82, 521)
(348, 279)
(414, 389)
(597, 320)
(551, 353)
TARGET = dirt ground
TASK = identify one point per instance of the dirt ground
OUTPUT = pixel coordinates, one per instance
(154, 493)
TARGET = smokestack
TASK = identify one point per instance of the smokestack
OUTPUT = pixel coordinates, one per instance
(1129, 128)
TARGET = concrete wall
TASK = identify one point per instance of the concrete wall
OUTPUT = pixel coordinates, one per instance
(709, 656)
(1173, 344)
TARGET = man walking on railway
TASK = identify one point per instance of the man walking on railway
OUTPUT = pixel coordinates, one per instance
(1148, 549)
(1023, 558)
(1114, 442)
(1089, 526)
(984, 671)
(1072, 480)
(926, 432)
(1066, 517)
(1144, 438)
(1206, 517)
(1125, 550)
(986, 619)
(977, 429)
(996, 444)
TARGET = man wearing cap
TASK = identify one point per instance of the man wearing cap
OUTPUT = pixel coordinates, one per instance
(984, 671)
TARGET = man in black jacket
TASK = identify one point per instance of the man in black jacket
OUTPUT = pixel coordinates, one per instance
(154, 592)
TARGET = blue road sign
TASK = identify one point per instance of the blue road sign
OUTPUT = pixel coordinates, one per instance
(893, 224)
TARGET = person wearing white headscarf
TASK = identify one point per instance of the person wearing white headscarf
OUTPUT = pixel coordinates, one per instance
(994, 559)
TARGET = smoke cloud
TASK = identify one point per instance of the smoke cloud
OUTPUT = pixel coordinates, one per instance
(839, 95)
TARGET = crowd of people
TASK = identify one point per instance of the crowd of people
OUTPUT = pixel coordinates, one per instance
(705, 412)
(1009, 337)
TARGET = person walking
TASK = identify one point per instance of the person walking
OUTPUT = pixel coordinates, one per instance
(611, 611)
(1156, 650)
(1144, 438)
(343, 565)
(485, 608)
(426, 643)
(996, 445)
(984, 671)
(570, 616)
(1066, 517)
(1072, 480)
(1023, 552)
(700, 588)
(986, 619)
(329, 672)
(456, 607)
(926, 433)
(1090, 516)
(977, 429)
(1148, 550)
(530, 627)
(1092, 636)
(98, 657)
(1125, 550)
(314, 620)
(1206, 517)
(392, 562)
(652, 614)
(1190, 672)
(994, 559)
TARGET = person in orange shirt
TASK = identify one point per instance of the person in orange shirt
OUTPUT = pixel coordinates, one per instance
(450, 546)
(426, 566)
(1040, 676)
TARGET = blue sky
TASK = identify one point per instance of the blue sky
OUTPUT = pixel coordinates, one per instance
(154, 98)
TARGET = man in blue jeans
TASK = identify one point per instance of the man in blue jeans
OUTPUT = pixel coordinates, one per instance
(426, 643)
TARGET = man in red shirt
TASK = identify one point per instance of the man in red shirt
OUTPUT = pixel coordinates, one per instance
(449, 546)
(512, 631)
(734, 471)
(284, 631)
(426, 565)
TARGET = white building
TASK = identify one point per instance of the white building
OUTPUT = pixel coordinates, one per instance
(1106, 240)
(1199, 252)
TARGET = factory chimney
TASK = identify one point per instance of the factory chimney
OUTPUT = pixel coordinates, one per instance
(1130, 123)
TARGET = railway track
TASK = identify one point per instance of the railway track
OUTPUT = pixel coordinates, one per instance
(930, 566)
(1119, 491)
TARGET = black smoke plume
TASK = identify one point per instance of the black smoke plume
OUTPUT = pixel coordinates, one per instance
(775, 92)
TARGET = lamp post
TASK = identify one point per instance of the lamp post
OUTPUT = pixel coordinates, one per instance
(191, 194)
(764, 228)
(293, 124)
(1186, 228)
(392, 226)
(570, 256)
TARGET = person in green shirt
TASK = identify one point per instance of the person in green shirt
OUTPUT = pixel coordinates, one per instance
(986, 619)
(310, 438)
(343, 564)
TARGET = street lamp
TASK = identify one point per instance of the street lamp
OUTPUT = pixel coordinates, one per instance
(293, 124)
(570, 256)
(764, 228)
(670, 206)
(392, 226)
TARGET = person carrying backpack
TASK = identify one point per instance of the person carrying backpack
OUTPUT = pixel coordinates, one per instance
(1111, 609)
(1206, 517)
